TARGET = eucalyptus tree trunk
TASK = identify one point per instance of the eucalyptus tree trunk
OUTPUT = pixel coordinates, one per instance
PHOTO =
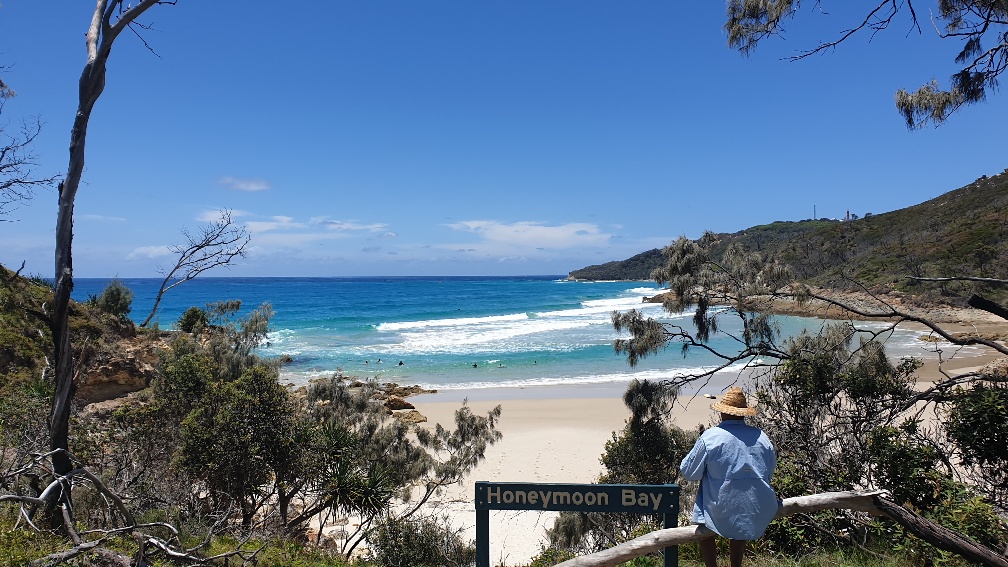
(110, 18)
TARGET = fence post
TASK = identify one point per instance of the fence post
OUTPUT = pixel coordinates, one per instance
(482, 528)
(671, 520)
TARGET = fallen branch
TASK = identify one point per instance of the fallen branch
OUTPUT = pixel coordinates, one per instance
(64, 556)
(940, 536)
(979, 302)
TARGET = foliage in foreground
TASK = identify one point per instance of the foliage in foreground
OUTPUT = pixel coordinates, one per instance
(842, 415)
(421, 541)
(648, 450)
(116, 299)
(217, 455)
(839, 417)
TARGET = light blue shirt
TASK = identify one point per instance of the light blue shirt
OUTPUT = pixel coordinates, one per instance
(733, 463)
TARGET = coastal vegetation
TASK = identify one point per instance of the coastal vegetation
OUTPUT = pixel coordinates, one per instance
(638, 267)
(215, 457)
(216, 460)
(976, 28)
(843, 416)
(216, 244)
(964, 231)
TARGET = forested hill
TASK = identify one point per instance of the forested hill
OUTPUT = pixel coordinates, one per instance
(637, 268)
(963, 232)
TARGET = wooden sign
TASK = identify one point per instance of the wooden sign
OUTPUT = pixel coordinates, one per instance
(626, 498)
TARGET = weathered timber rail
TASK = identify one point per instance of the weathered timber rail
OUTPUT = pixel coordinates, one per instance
(869, 502)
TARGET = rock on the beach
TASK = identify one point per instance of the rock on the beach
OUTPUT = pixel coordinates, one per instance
(394, 389)
(997, 368)
(396, 403)
(411, 416)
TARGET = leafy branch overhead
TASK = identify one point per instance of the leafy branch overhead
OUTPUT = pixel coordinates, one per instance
(719, 288)
(843, 416)
(980, 26)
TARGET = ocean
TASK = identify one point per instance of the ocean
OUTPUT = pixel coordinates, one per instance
(451, 333)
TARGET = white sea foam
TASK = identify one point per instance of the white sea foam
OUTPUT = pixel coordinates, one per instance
(560, 330)
(902, 342)
(449, 322)
(503, 338)
(718, 381)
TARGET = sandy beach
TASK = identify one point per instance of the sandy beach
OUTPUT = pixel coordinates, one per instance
(557, 434)
(550, 435)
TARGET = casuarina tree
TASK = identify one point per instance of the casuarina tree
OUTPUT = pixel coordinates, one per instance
(978, 28)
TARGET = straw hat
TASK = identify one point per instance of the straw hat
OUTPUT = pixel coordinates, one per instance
(733, 402)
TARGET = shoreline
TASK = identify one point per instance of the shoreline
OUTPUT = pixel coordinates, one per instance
(557, 434)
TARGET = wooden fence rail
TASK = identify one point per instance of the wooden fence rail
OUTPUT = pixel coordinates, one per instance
(869, 502)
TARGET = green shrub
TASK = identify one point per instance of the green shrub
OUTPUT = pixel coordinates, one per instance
(194, 320)
(116, 299)
(550, 556)
(277, 552)
(21, 545)
(647, 450)
(238, 436)
(420, 542)
(977, 423)
(40, 280)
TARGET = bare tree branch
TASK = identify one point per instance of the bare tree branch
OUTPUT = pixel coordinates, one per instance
(889, 312)
(871, 21)
(64, 556)
(216, 244)
(961, 279)
(108, 21)
(977, 302)
(17, 162)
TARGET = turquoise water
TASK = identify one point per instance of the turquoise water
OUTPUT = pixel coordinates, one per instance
(449, 333)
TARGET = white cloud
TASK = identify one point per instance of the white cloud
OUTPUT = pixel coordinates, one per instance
(528, 234)
(349, 225)
(101, 218)
(278, 222)
(214, 215)
(242, 184)
(293, 239)
(149, 252)
(294, 236)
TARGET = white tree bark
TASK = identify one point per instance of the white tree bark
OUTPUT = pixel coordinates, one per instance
(109, 20)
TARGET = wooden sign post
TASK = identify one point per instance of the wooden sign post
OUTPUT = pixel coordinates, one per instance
(627, 498)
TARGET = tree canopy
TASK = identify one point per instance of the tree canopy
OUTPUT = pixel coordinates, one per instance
(843, 416)
(981, 26)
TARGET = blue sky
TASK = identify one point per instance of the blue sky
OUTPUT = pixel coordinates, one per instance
(469, 138)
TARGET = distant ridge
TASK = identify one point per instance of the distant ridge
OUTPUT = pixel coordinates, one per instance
(636, 268)
(962, 232)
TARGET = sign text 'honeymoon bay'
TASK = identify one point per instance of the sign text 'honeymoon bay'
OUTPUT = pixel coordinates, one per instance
(648, 499)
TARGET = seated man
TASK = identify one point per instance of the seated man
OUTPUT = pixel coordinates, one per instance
(733, 462)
